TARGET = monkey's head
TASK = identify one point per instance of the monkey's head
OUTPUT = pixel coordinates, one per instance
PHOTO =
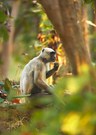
(48, 54)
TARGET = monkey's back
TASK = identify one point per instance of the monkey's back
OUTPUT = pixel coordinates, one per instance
(27, 75)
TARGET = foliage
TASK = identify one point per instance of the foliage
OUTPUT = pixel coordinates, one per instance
(4, 9)
(30, 21)
(69, 110)
(89, 1)
(92, 46)
(63, 112)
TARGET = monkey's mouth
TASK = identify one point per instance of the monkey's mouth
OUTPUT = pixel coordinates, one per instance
(53, 59)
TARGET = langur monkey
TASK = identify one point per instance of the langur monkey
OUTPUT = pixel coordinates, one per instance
(35, 73)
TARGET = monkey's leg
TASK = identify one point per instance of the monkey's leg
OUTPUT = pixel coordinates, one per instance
(35, 90)
(27, 86)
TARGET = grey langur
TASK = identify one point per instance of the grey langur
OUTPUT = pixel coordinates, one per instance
(35, 72)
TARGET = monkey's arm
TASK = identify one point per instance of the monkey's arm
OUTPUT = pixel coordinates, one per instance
(52, 71)
(39, 79)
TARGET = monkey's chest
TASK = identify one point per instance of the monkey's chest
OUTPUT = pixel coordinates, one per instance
(43, 73)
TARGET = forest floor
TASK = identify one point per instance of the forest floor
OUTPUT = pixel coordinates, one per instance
(12, 118)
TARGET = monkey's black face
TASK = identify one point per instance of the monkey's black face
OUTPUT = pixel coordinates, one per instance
(52, 56)
(48, 54)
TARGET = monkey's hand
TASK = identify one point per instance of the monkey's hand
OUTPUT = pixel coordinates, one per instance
(56, 66)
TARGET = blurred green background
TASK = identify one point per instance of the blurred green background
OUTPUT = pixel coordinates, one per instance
(24, 31)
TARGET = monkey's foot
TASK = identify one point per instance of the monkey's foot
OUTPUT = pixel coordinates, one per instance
(47, 92)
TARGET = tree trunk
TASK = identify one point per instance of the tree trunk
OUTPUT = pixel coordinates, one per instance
(84, 18)
(64, 16)
(7, 46)
(94, 16)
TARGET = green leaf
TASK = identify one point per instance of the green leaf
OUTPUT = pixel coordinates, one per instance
(88, 1)
(1, 84)
(7, 85)
(3, 17)
(1, 100)
(22, 96)
(4, 32)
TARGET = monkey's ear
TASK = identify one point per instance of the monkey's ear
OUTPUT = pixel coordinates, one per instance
(42, 50)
